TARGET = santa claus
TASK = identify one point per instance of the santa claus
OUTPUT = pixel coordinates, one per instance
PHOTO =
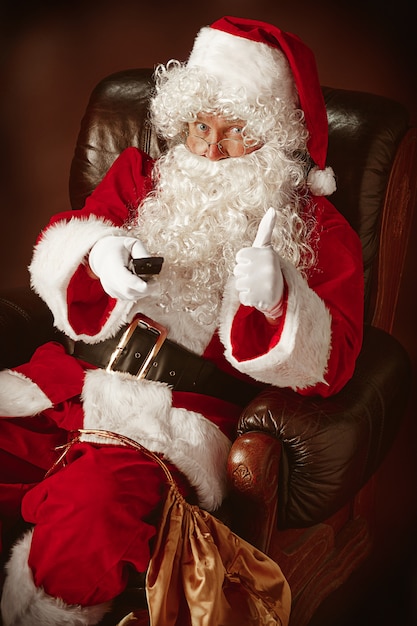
(261, 284)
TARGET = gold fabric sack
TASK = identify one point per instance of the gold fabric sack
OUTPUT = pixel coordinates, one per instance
(202, 574)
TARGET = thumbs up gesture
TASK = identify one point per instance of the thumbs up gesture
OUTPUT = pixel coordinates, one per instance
(259, 279)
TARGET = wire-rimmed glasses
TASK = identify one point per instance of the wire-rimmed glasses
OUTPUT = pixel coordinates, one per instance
(227, 147)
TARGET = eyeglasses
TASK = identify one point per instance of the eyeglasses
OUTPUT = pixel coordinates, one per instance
(227, 147)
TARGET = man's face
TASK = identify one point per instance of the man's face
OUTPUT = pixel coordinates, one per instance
(216, 137)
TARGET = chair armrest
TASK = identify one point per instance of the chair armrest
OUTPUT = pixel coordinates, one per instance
(329, 447)
(25, 324)
(253, 466)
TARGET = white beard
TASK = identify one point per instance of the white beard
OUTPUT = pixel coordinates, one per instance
(200, 214)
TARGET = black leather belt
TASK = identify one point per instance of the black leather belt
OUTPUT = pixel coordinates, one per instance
(143, 350)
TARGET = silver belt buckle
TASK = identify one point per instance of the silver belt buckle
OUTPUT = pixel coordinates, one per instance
(158, 330)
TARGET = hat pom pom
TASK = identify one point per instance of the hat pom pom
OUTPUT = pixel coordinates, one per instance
(321, 182)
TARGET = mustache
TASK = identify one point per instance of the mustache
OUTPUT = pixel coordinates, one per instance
(204, 170)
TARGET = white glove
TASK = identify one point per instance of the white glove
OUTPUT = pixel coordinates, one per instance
(110, 258)
(259, 279)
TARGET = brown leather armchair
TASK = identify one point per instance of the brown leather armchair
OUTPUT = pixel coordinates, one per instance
(301, 468)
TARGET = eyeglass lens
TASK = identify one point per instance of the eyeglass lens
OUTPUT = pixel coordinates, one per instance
(227, 147)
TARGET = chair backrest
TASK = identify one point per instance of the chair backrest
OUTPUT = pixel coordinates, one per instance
(116, 118)
(371, 149)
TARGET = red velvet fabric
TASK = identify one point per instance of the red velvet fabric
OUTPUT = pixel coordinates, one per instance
(94, 517)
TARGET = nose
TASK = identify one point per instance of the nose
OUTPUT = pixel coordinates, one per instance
(213, 152)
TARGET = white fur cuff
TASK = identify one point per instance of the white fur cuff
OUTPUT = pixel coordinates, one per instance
(60, 251)
(299, 360)
(20, 396)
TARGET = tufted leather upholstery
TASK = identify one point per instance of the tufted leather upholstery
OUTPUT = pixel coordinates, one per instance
(116, 118)
(361, 150)
(330, 447)
(298, 462)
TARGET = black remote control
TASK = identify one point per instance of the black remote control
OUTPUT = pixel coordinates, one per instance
(147, 267)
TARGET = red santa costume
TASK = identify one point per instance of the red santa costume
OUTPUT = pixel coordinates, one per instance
(95, 517)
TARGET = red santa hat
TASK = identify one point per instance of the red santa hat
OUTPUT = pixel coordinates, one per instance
(269, 62)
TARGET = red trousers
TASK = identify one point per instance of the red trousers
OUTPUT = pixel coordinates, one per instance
(27, 451)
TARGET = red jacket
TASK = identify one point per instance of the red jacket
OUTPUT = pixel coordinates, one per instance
(313, 350)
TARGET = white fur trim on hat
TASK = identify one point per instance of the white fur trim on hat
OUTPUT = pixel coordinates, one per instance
(261, 70)
(142, 410)
(20, 396)
(321, 182)
(24, 604)
(299, 360)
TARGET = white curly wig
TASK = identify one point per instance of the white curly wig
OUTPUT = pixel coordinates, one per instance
(182, 92)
